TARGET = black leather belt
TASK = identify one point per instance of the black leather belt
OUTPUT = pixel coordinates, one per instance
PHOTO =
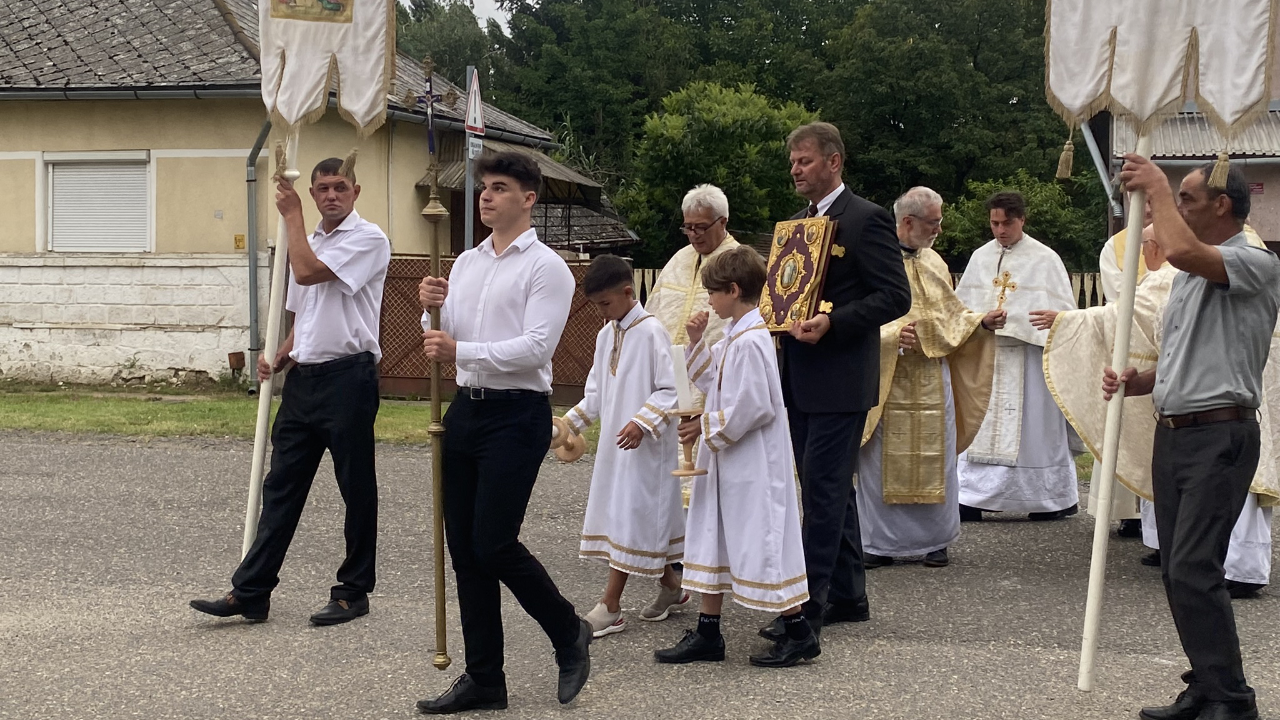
(1206, 417)
(487, 394)
(329, 366)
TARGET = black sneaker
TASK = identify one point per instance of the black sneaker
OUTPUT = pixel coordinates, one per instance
(692, 648)
(230, 606)
(465, 694)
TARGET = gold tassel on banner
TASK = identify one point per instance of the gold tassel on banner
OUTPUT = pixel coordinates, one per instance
(1218, 178)
(349, 164)
(1065, 161)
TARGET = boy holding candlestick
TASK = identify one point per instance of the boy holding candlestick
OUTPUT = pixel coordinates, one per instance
(743, 532)
(634, 518)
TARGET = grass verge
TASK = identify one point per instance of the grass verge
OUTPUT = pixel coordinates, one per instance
(88, 410)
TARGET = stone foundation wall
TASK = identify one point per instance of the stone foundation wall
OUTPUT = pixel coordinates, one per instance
(99, 318)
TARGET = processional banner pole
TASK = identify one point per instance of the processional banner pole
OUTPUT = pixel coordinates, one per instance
(286, 169)
(1111, 436)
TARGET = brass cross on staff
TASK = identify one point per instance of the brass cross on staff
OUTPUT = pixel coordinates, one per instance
(1006, 286)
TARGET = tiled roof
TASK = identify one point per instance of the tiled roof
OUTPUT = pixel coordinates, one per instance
(65, 44)
(1191, 135)
(158, 44)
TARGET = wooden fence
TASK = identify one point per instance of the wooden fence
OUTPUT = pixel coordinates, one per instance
(406, 373)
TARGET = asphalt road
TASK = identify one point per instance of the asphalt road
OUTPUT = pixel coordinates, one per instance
(103, 541)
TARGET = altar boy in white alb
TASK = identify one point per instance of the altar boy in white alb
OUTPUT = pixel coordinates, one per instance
(635, 518)
(1020, 461)
(743, 532)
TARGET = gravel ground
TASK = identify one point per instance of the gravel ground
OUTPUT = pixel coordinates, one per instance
(105, 539)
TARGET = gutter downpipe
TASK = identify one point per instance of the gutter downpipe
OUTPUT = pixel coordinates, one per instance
(251, 243)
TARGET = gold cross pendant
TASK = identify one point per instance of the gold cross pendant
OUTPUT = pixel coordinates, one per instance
(1006, 286)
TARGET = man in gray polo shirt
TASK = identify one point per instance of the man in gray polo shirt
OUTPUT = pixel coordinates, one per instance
(1207, 387)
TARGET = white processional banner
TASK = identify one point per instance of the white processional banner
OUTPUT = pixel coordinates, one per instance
(304, 41)
(1138, 58)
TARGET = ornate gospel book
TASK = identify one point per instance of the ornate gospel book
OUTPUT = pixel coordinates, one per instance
(797, 266)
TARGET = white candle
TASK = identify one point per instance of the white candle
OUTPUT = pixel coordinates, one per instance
(683, 394)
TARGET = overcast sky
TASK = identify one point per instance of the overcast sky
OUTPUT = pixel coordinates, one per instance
(485, 9)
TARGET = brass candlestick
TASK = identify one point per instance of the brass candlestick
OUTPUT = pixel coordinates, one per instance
(686, 468)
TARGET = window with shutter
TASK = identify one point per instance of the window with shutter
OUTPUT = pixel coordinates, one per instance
(98, 207)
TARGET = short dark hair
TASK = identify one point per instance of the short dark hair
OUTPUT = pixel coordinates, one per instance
(825, 135)
(1237, 190)
(1012, 203)
(741, 265)
(518, 166)
(607, 272)
(332, 166)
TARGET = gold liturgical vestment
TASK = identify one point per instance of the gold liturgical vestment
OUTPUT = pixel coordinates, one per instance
(912, 405)
(678, 294)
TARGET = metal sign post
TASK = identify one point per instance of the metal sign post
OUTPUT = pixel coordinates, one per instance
(475, 131)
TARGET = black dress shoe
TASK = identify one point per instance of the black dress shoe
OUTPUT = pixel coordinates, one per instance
(1239, 590)
(692, 648)
(340, 611)
(789, 652)
(970, 514)
(1131, 528)
(874, 561)
(1186, 707)
(1151, 559)
(465, 694)
(1224, 711)
(1054, 515)
(936, 559)
(575, 664)
(842, 612)
(230, 606)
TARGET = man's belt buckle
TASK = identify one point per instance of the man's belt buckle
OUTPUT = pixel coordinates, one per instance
(477, 393)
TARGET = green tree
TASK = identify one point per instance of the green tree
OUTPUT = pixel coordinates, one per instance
(705, 133)
(448, 31)
(940, 93)
(1068, 217)
(603, 64)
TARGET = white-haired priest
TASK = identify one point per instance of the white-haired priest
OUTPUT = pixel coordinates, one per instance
(935, 382)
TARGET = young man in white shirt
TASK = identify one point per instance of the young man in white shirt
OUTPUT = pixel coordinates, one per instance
(503, 309)
(329, 401)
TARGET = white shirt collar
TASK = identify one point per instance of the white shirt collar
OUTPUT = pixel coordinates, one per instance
(347, 223)
(522, 242)
(825, 203)
(630, 317)
(751, 319)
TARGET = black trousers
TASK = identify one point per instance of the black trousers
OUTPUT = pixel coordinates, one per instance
(1201, 477)
(492, 452)
(329, 406)
(826, 450)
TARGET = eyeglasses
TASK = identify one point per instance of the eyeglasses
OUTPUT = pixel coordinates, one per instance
(928, 223)
(696, 229)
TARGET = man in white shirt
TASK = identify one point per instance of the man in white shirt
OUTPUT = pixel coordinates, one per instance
(330, 400)
(503, 309)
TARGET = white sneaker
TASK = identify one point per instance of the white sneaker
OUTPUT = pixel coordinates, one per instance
(667, 601)
(604, 622)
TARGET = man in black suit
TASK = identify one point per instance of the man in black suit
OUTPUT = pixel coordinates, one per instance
(831, 375)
